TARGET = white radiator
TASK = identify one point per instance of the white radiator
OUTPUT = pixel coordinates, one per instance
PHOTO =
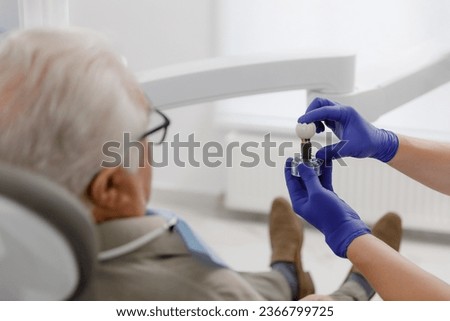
(370, 187)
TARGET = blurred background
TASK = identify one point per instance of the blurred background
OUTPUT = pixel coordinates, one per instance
(388, 37)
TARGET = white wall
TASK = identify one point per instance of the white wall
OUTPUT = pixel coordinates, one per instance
(9, 14)
(376, 30)
(150, 33)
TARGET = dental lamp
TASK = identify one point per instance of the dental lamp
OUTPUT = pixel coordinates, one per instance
(330, 76)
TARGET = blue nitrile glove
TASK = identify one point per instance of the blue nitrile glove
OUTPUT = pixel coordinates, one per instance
(312, 198)
(358, 137)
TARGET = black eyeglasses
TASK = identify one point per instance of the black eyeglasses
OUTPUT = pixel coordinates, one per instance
(158, 124)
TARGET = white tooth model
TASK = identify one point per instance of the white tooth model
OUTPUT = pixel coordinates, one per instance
(305, 131)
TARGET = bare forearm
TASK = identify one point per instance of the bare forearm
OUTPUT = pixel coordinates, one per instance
(425, 161)
(392, 275)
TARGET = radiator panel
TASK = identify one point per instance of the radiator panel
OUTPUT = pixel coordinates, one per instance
(370, 187)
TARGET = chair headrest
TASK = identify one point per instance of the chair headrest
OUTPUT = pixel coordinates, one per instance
(47, 241)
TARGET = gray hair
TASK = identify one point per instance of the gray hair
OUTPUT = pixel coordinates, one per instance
(63, 94)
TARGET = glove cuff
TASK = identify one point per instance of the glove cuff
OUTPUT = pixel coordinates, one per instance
(341, 238)
(389, 146)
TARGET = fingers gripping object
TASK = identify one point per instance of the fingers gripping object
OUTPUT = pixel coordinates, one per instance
(305, 132)
(313, 199)
(358, 137)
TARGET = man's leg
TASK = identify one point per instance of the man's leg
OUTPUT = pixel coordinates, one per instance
(270, 285)
(286, 238)
(286, 280)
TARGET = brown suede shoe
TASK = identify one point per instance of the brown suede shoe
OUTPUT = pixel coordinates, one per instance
(388, 229)
(286, 238)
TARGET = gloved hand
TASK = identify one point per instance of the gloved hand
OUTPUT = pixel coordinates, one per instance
(312, 198)
(358, 137)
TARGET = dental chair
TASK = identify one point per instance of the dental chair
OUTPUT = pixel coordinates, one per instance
(47, 242)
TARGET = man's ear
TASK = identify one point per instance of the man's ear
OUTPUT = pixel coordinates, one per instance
(104, 189)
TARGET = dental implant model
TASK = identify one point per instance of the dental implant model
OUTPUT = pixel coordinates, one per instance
(305, 132)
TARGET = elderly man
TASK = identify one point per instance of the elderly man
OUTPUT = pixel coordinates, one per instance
(63, 95)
